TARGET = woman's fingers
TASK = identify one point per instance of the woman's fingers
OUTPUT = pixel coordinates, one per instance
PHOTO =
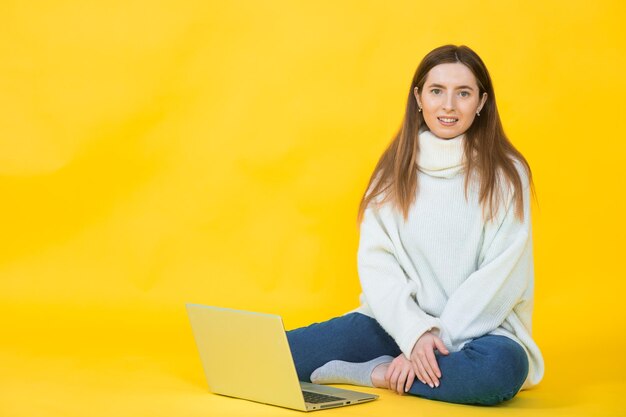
(417, 372)
(432, 360)
(424, 361)
(432, 378)
(400, 374)
(424, 374)
(393, 379)
(397, 381)
(440, 346)
(402, 380)
(409, 380)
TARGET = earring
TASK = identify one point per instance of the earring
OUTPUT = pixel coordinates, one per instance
(477, 113)
(419, 109)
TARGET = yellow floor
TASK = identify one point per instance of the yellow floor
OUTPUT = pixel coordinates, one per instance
(81, 363)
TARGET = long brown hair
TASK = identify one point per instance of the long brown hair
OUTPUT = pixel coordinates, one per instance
(493, 155)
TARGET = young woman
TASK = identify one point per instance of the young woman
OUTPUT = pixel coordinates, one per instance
(445, 254)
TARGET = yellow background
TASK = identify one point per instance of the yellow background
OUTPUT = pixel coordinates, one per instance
(155, 153)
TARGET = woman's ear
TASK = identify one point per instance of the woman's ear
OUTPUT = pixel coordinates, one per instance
(482, 102)
(417, 96)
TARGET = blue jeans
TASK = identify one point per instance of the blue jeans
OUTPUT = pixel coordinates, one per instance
(487, 370)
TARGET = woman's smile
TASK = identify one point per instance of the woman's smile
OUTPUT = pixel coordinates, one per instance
(447, 121)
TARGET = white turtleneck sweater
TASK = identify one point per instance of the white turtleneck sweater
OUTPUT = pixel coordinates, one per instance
(447, 270)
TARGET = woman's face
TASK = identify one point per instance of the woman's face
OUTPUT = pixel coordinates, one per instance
(449, 99)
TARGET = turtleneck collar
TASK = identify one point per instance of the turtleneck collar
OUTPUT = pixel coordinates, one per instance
(440, 157)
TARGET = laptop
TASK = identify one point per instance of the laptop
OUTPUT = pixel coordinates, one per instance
(246, 355)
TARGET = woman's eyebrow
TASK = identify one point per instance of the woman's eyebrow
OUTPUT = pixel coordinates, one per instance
(458, 88)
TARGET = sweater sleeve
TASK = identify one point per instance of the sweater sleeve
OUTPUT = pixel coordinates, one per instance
(388, 291)
(504, 276)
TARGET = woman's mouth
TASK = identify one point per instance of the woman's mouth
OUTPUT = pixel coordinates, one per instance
(447, 121)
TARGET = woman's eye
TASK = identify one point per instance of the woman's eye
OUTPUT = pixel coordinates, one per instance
(464, 93)
(435, 91)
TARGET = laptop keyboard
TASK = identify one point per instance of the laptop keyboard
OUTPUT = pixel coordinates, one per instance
(315, 398)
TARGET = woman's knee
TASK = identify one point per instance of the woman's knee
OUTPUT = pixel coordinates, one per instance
(504, 368)
(353, 337)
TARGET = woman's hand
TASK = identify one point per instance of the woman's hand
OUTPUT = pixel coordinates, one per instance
(400, 374)
(424, 361)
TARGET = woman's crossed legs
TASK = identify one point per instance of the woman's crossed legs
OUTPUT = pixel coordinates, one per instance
(488, 370)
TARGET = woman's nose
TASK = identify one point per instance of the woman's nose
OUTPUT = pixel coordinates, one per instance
(448, 102)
